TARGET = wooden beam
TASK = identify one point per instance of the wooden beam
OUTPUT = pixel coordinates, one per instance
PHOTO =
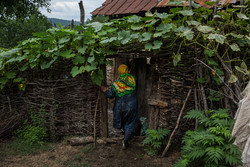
(156, 102)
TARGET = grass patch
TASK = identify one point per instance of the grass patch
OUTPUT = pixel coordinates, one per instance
(88, 149)
(20, 147)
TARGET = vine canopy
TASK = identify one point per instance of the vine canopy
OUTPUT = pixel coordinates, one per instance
(225, 37)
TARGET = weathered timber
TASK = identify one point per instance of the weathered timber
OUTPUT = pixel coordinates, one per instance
(157, 102)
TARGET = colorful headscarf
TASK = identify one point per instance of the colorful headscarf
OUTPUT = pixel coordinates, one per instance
(125, 84)
(122, 69)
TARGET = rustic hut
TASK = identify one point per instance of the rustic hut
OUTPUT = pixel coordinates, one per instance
(162, 89)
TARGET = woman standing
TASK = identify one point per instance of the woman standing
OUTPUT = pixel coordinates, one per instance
(125, 110)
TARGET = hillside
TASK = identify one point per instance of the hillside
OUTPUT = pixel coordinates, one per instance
(64, 23)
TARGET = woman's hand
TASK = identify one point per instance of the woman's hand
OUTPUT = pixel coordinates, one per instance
(103, 88)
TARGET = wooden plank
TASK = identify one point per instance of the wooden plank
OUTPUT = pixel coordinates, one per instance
(156, 102)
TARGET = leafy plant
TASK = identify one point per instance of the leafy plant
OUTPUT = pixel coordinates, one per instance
(211, 144)
(155, 140)
(34, 131)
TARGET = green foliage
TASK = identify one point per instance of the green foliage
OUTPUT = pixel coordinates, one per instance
(211, 144)
(33, 132)
(87, 46)
(155, 140)
(88, 149)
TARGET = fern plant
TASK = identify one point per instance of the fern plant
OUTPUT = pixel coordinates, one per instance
(211, 144)
(155, 140)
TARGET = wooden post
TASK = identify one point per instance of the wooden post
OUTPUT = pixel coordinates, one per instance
(190, 4)
(72, 24)
(215, 7)
(104, 108)
(82, 13)
(242, 9)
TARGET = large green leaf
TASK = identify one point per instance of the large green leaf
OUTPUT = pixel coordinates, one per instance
(205, 29)
(76, 70)
(219, 38)
(242, 68)
(242, 16)
(193, 23)
(89, 68)
(212, 62)
(146, 36)
(83, 49)
(91, 59)
(137, 26)
(185, 32)
(79, 60)
(148, 46)
(10, 52)
(209, 52)
(235, 47)
(239, 36)
(157, 44)
(187, 12)
(232, 78)
(163, 15)
(64, 40)
(18, 59)
(108, 40)
(67, 54)
(10, 75)
(164, 27)
(97, 77)
(124, 36)
(134, 19)
(97, 26)
(176, 58)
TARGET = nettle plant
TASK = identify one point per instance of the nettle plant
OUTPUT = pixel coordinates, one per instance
(225, 40)
(211, 144)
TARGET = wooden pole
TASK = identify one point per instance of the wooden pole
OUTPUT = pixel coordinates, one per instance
(82, 13)
(177, 123)
(215, 7)
(96, 107)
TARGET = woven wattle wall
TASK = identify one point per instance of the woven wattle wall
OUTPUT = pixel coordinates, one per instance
(174, 84)
(69, 103)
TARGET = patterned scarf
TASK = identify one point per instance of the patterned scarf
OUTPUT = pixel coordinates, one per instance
(125, 84)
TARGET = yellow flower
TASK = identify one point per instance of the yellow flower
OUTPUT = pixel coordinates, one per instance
(46, 50)
(83, 70)
(21, 85)
(218, 29)
(52, 56)
(92, 73)
(71, 43)
(27, 59)
(213, 72)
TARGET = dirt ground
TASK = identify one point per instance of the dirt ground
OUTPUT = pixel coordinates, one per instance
(104, 155)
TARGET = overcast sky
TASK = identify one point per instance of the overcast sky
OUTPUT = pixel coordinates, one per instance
(69, 9)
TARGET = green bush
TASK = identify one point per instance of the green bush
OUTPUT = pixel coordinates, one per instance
(34, 131)
(211, 144)
(155, 140)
